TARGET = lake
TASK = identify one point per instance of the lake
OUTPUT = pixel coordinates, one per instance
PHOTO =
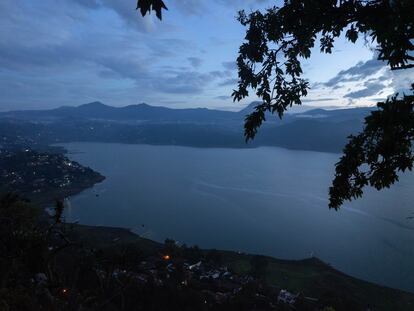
(269, 201)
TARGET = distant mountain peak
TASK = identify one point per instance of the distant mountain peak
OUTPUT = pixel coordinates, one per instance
(96, 104)
(144, 105)
(250, 107)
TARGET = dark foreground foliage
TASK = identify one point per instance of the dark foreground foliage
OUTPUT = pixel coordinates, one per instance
(50, 265)
(376, 155)
(44, 267)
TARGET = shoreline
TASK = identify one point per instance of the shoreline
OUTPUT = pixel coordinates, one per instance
(309, 276)
(238, 147)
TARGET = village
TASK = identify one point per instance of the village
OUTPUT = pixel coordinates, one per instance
(31, 173)
(215, 283)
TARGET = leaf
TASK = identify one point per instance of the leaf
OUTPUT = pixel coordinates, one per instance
(145, 6)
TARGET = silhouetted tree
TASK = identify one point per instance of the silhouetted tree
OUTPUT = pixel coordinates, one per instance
(375, 156)
(269, 62)
(258, 266)
(214, 256)
(19, 237)
(145, 6)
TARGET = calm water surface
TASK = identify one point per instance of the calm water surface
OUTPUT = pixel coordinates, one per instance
(267, 200)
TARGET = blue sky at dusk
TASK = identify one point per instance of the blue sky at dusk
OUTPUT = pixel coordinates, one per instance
(70, 52)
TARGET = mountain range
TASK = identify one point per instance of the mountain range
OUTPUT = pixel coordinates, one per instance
(132, 113)
(316, 129)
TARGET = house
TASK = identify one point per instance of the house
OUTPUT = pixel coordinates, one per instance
(286, 297)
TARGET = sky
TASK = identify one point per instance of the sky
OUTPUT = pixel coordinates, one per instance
(71, 52)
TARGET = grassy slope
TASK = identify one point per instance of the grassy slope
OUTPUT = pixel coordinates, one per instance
(312, 277)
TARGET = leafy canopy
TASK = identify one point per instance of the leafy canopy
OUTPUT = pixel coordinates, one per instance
(269, 63)
(145, 6)
(375, 156)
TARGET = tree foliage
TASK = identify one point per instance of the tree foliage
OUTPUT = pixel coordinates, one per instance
(375, 156)
(145, 6)
(269, 63)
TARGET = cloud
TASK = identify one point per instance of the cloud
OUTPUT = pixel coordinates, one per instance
(230, 65)
(305, 100)
(358, 72)
(188, 7)
(370, 89)
(375, 77)
(126, 10)
(364, 83)
(57, 52)
(184, 82)
(63, 52)
(223, 97)
(242, 3)
(220, 74)
(401, 80)
(88, 3)
(229, 82)
(195, 61)
(203, 7)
